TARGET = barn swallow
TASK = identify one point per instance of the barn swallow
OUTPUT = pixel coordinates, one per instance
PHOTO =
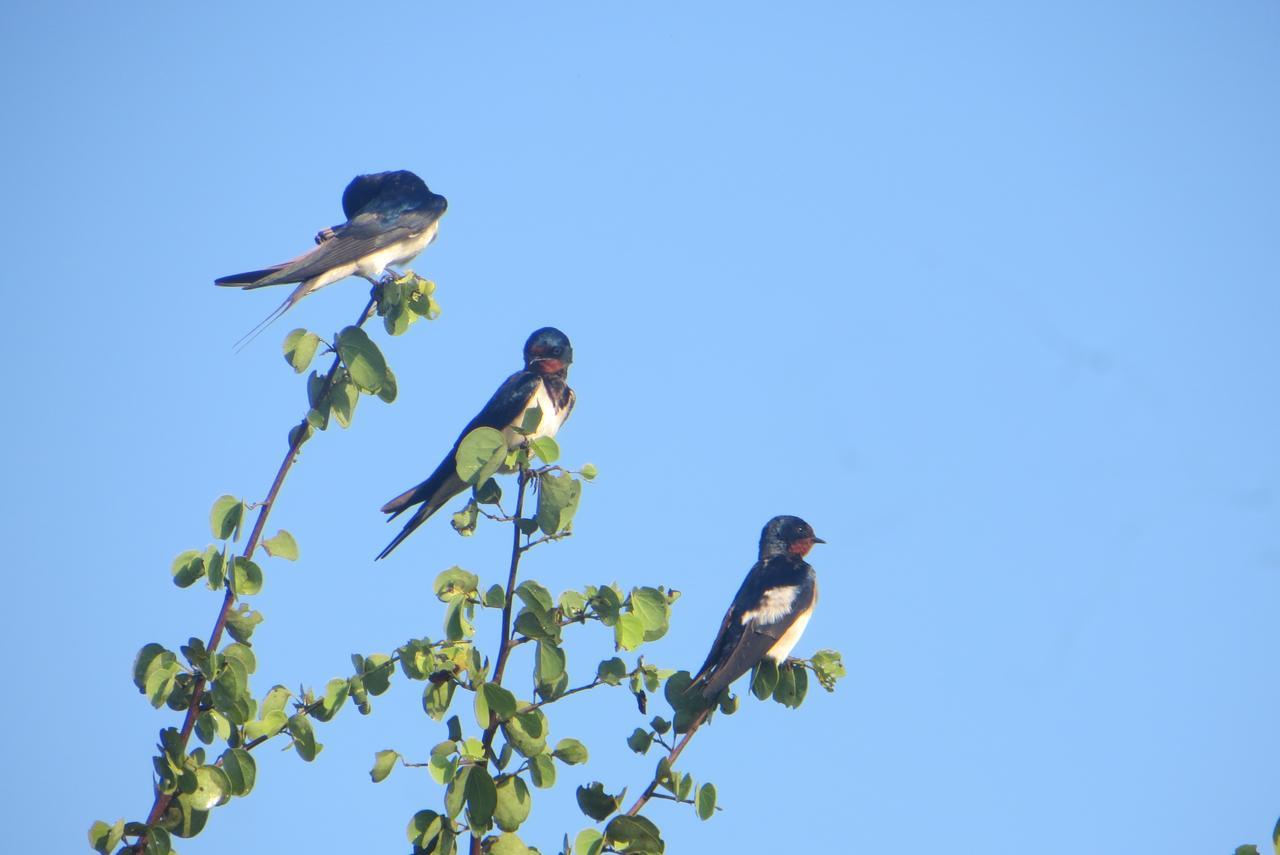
(391, 217)
(770, 610)
(541, 384)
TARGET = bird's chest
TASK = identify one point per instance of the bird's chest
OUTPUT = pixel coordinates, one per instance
(553, 416)
(397, 253)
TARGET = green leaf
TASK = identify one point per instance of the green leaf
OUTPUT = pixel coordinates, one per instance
(639, 740)
(634, 835)
(241, 770)
(424, 828)
(270, 724)
(150, 656)
(482, 798)
(828, 666)
(225, 517)
(514, 803)
(304, 737)
(377, 673)
(488, 493)
(789, 692)
(572, 603)
(281, 546)
(383, 763)
(343, 397)
(500, 701)
(570, 751)
(300, 348)
(242, 621)
(182, 820)
(628, 631)
(456, 582)
(550, 664)
(545, 448)
(187, 568)
(611, 671)
(659, 724)
(243, 654)
(705, 803)
(537, 625)
(527, 733)
(530, 420)
(495, 597)
(364, 361)
(650, 605)
(596, 803)
(588, 842)
(455, 794)
(508, 844)
(1250, 849)
(535, 597)
(246, 577)
(557, 501)
(389, 388)
(542, 771)
(764, 678)
(104, 838)
(589, 471)
(437, 697)
(213, 788)
(214, 563)
(480, 454)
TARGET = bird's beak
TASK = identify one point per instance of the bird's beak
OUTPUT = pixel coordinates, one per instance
(817, 539)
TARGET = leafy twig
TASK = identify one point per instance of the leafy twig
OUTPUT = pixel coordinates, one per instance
(671, 759)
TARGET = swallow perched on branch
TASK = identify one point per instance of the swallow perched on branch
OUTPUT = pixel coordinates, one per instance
(391, 217)
(770, 610)
(541, 384)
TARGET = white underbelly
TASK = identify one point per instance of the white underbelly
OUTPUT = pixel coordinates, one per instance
(397, 253)
(552, 418)
(784, 645)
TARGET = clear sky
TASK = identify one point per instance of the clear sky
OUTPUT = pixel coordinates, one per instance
(987, 293)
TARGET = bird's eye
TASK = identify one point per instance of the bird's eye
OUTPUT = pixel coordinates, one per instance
(557, 350)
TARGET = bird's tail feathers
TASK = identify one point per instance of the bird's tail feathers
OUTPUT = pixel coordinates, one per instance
(250, 279)
(266, 322)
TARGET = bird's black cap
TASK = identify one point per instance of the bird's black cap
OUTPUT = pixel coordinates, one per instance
(548, 343)
(782, 533)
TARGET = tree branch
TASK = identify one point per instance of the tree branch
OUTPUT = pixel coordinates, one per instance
(162, 800)
(671, 759)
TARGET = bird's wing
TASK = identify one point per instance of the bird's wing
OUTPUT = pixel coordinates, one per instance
(366, 234)
(443, 484)
(770, 600)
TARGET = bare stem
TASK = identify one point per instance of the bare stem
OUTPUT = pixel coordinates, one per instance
(162, 800)
(671, 759)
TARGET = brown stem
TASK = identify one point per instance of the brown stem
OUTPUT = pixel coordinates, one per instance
(162, 800)
(671, 759)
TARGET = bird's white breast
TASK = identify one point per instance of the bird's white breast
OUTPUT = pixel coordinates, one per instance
(783, 647)
(552, 417)
(775, 604)
(397, 253)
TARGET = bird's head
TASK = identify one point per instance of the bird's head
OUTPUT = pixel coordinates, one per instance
(787, 534)
(548, 351)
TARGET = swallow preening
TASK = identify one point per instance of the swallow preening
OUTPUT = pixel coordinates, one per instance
(391, 217)
(770, 610)
(542, 384)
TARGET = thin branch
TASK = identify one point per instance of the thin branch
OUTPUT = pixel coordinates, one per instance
(560, 535)
(574, 691)
(671, 759)
(162, 800)
(505, 645)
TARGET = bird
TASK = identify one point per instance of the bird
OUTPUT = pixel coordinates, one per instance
(542, 383)
(770, 610)
(391, 217)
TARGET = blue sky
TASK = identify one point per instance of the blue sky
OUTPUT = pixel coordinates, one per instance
(987, 293)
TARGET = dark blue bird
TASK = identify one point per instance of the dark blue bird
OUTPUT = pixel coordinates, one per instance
(542, 384)
(391, 217)
(770, 610)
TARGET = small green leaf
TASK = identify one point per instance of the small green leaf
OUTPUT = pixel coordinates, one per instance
(488, 493)
(437, 697)
(596, 803)
(589, 471)
(542, 771)
(508, 844)
(225, 517)
(570, 751)
(423, 829)
(187, 568)
(281, 546)
(241, 770)
(213, 788)
(628, 632)
(343, 397)
(550, 664)
(530, 420)
(527, 733)
(500, 701)
(545, 448)
(611, 671)
(535, 596)
(514, 803)
(480, 454)
(304, 737)
(660, 724)
(242, 621)
(764, 678)
(383, 763)
(482, 798)
(300, 348)
(363, 359)
(456, 582)
(639, 740)
(828, 666)
(558, 497)
(455, 794)
(634, 835)
(495, 597)
(246, 577)
(389, 389)
(104, 838)
(705, 803)
(588, 842)
(650, 605)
